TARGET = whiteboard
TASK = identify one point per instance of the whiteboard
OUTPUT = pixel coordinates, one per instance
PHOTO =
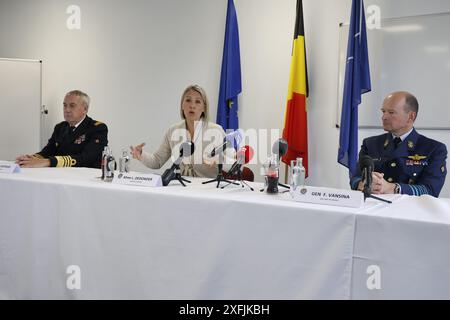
(20, 106)
(405, 54)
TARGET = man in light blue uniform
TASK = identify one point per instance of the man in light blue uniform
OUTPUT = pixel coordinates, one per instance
(405, 161)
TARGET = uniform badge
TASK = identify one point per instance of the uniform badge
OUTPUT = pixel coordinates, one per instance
(416, 157)
(443, 169)
(386, 142)
(416, 160)
(80, 139)
(410, 144)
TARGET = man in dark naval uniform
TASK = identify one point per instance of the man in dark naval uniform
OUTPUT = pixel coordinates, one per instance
(76, 142)
(405, 161)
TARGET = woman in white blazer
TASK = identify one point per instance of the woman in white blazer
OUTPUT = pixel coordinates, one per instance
(195, 127)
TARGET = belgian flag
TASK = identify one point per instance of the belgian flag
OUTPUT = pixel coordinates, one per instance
(295, 130)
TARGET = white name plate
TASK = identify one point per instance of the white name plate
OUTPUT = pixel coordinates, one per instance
(138, 179)
(329, 196)
(9, 167)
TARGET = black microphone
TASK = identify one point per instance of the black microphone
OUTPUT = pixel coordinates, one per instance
(221, 148)
(186, 149)
(244, 155)
(280, 148)
(366, 166)
(228, 142)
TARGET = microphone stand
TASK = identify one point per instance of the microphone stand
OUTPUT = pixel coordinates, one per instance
(179, 177)
(174, 174)
(220, 178)
(241, 181)
(367, 194)
(367, 190)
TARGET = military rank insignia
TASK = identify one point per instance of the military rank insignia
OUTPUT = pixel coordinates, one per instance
(386, 142)
(80, 139)
(410, 144)
(416, 160)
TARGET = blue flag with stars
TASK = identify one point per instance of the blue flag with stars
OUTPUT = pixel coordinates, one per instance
(230, 77)
(356, 83)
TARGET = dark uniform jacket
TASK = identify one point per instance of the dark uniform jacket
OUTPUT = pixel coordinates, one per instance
(81, 148)
(417, 164)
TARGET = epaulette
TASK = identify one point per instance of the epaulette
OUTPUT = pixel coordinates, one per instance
(98, 123)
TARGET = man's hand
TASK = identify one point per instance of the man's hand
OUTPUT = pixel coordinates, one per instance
(29, 161)
(381, 186)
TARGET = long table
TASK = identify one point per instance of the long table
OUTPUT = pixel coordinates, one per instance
(65, 234)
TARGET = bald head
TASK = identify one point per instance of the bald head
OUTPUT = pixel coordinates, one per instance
(399, 112)
(408, 100)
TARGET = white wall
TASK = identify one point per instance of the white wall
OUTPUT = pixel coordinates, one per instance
(135, 57)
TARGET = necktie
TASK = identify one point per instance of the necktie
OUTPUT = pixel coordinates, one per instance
(72, 129)
(397, 141)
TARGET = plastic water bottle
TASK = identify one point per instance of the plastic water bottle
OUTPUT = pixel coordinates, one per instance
(110, 166)
(124, 162)
(298, 174)
(103, 161)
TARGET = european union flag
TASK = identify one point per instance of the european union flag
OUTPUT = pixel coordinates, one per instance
(230, 77)
(357, 82)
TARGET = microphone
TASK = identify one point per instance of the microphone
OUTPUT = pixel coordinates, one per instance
(228, 140)
(243, 156)
(366, 166)
(279, 148)
(186, 149)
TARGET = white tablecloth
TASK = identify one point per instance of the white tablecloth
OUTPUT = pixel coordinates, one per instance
(200, 242)
(410, 242)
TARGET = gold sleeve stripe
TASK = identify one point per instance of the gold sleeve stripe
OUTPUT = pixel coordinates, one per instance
(65, 161)
(59, 161)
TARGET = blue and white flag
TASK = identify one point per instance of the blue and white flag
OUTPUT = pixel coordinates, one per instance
(357, 82)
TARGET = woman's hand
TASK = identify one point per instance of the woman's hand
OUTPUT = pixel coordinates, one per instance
(136, 151)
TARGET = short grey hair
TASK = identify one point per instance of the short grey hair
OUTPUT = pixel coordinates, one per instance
(84, 97)
(411, 103)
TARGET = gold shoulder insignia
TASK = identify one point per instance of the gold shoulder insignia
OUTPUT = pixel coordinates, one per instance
(410, 144)
(98, 123)
(416, 157)
(386, 142)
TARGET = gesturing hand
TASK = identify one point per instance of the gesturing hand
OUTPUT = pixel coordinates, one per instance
(136, 151)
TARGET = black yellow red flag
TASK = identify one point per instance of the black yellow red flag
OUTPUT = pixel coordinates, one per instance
(295, 130)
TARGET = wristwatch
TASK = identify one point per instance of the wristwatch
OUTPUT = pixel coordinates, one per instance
(397, 188)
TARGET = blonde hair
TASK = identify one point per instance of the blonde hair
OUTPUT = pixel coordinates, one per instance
(84, 97)
(202, 93)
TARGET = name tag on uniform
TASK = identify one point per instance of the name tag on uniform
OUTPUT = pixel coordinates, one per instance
(329, 196)
(9, 167)
(138, 179)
